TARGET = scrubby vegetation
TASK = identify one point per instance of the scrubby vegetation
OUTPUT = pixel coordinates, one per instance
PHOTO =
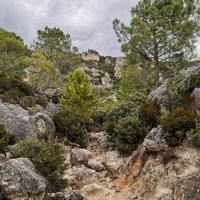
(70, 124)
(123, 110)
(4, 138)
(48, 159)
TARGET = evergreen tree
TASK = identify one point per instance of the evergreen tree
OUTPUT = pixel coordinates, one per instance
(161, 32)
(57, 47)
(79, 94)
(41, 73)
(12, 51)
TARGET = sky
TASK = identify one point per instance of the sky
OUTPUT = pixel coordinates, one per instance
(89, 22)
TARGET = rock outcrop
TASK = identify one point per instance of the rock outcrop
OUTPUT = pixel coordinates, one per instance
(196, 95)
(90, 55)
(18, 180)
(21, 125)
(154, 141)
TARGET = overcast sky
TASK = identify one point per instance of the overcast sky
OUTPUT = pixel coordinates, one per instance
(89, 22)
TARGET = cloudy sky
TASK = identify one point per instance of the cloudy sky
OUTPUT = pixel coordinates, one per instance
(89, 22)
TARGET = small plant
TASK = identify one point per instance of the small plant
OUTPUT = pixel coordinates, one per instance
(48, 159)
(4, 138)
(177, 122)
(129, 132)
(150, 113)
(69, 123)
(196, 137)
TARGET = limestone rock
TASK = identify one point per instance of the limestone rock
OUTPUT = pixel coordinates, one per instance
(90, 55)
(112, 162)
(18, 180)
(78, 157)
(159, 93)
(154, 141)
(96, 165)
(78, 176)
(62, 196)
(196, 95)
(20, 124)
(118, 65)
(187, 188)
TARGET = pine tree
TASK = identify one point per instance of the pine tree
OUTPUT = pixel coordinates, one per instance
(79, 94)
(161, 33)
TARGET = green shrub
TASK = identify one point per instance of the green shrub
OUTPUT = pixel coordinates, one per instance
(97, 121)
(176, 123)
(129, 132)
(23, 87)
(124, 109)
(4, 138)
(70, 123)
(48, 159)
(150, 113)
(4, 82)
(196, 137)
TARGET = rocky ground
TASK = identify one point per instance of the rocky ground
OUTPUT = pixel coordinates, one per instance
(102, 173)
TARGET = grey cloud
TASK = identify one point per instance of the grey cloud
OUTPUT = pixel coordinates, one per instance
(88, 22)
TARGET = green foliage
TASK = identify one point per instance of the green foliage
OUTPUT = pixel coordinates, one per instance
(48, 159)
(135, 80)
(122, 110)
(150, 113)
(160, 33)
(119, 112)
(177, 122)
(4, 138)
(97, 121)
(129, 132)
(52, 40)
(12, 49)
(70, 123)
(58, 48)
(196, 137)
(41, 72)
(79, 94)
(4, 82)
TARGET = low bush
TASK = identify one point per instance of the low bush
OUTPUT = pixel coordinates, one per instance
(4, 138)
(97, 121)
(48, 159)
(196, 137)
(4, 82)
(150, 113)
(129, 133)
(177, 122)
(70, 123)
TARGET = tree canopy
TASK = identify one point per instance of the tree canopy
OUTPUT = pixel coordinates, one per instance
(41, 73)
(160, 32)
(57, 47)
(12, 49)
(52, 40)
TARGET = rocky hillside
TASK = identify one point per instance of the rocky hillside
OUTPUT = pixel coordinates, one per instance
(155, 170)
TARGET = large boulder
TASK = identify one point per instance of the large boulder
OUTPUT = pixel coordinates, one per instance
(78, 157)
(90, 55)
(154, 141)
(21, 125)
(112, 162)
(18, 180)
(78, 176)
(160, 93)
